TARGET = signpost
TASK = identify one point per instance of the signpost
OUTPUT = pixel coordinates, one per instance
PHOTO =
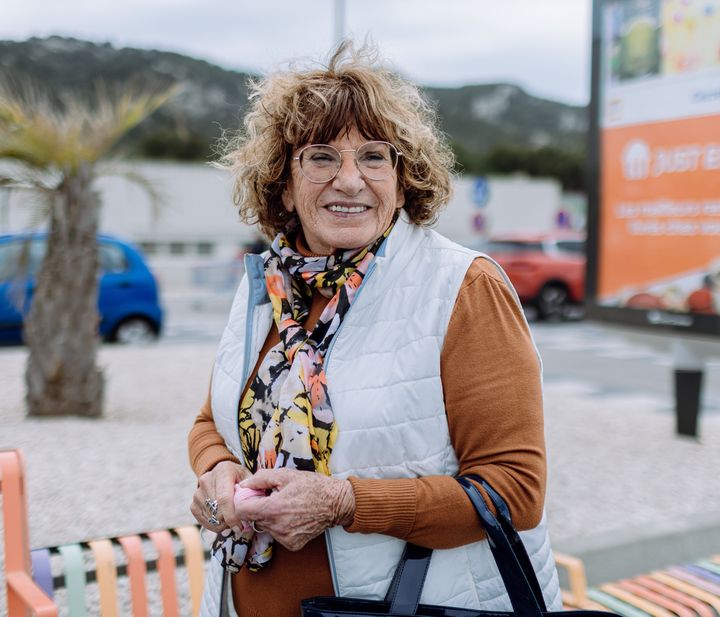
(481, 192)
(654, 233)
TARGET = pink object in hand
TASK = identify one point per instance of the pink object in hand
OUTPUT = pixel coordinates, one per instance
(241, 494)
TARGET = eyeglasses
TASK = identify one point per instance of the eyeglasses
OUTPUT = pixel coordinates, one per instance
(320, 163)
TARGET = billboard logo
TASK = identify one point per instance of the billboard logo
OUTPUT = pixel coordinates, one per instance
(636, 160)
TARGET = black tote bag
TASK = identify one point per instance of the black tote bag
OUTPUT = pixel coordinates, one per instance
(403, 595)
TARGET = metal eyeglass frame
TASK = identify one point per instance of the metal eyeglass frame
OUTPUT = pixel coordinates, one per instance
(298, 156)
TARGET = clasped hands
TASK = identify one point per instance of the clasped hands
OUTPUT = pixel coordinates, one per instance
(299, 507)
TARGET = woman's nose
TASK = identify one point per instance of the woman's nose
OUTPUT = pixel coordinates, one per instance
(349, 180)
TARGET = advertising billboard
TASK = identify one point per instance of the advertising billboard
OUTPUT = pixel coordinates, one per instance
(654, 245)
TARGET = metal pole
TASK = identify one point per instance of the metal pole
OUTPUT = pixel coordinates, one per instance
(339, 20)
(5, 209)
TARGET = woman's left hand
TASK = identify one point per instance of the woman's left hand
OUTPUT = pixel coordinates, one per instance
(301, 506)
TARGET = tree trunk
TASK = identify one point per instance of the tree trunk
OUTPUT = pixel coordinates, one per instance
(61, 329)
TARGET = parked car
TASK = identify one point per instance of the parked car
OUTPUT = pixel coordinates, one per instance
(548, 271)
(128, 294)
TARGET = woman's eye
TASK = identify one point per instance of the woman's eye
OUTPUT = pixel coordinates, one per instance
(321, 158)
(373, 157)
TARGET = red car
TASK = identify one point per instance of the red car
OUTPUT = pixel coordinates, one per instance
(548, 271)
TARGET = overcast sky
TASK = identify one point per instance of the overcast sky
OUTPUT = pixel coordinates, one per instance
(542, 45)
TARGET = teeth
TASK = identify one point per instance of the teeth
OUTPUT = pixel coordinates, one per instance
(347, 209)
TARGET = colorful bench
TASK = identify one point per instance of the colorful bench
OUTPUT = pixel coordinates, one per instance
(679, 591)
(30, 582)
(691, 590)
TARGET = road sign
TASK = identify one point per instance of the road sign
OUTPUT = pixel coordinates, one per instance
(478, 222)
(481, 192)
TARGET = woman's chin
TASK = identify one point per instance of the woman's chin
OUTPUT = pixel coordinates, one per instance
(340, 238)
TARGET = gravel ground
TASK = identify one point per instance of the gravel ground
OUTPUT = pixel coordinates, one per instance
(615, 463)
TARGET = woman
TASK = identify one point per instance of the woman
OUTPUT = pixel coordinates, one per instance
(367, 360)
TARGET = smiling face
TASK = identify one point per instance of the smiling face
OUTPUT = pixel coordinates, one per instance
(350, 211)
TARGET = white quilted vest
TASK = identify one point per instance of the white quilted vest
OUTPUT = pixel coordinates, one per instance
(383, 373)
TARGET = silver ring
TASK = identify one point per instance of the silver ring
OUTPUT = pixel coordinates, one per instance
(213, 520)
(212, 505)
(255, 529)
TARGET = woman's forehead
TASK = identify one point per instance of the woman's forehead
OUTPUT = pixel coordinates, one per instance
(338, 122)
(350, 132)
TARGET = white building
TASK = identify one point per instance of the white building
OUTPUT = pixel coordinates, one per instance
(195, 235)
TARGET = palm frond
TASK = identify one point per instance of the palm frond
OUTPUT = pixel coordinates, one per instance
(20, 174)
(42, 134)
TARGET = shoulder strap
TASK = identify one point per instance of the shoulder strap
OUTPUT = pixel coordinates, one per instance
(407, 583)
(507, 549)
(518, 548)
(517, 586)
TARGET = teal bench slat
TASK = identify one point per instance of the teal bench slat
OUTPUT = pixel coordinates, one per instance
(615, 604)
(75, 579)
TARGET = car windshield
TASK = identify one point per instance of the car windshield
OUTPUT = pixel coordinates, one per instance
(571, 246)
(510, 246)
(112, 258)
(20, 258)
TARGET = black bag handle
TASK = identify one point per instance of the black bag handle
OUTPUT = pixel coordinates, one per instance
(519, 589)
(503, 516)
(407, 583)
(512, 561)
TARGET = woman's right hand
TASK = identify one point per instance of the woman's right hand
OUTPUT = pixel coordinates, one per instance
(218, 485)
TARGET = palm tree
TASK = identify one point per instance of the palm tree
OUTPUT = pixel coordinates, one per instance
(60, 150)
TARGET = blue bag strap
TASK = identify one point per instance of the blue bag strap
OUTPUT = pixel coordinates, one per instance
(503, 517)
(517, 586)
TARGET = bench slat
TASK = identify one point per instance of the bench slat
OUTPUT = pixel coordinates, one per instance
(75, 579)
(704, 573)
(678, 608)
(709, 565)
(634, 600)
(166, 567)
(687, 575)
(687, 588)
(615, 604)
(692, 602)
(136, 568)
(41, 570)
(194, 563)
(106, 576)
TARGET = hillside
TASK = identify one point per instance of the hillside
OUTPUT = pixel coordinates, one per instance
(477, 118)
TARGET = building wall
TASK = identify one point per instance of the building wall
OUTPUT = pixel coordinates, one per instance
(514, 204)
(196, 227)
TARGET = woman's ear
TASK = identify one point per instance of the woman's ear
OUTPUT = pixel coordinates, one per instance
(400, 200)
(287, 197)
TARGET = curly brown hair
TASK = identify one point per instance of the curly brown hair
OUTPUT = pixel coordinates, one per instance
(295, 107)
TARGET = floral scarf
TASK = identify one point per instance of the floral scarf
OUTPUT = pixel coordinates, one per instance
(285, 417)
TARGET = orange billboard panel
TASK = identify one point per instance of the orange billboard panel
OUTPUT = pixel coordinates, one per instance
(660, 213)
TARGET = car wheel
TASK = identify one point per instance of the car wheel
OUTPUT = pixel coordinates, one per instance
(135, 330)
(552, 301)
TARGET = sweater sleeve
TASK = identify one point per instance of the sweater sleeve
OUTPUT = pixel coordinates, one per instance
(206, 447)
(493, 399)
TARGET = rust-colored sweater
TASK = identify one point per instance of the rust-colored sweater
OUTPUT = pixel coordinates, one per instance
(493, 400)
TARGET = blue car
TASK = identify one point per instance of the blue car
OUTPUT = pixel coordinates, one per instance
(128, 294)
